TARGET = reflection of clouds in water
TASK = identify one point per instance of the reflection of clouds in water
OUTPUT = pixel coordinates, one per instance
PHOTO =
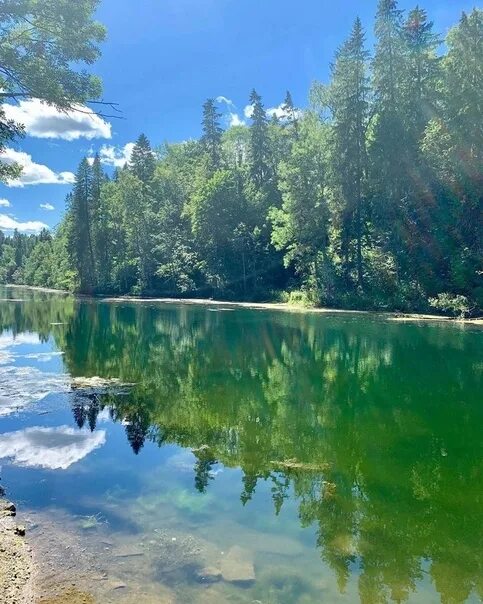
(42, 357)
(52, 448)
(104, 416)
(7, 339)
(20, 386)
(5, 357)
(183, 461)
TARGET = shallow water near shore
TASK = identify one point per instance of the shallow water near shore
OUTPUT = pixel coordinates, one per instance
(243, 455)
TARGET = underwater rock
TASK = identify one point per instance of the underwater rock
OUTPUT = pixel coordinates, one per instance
(8, 508)
(329, 489)
(96, 382)
(293, 464)
(20, 530)
(208, 574)
(237, 566)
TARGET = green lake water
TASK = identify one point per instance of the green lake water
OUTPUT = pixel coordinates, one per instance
(302, 458)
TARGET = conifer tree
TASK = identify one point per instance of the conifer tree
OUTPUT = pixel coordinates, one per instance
(290, 113)
(141, 210)
(212, 132)
(80, 238)
(259, 142)
(388, 145)
(143, 162)
(422, 70)
(348, 99)
(100, 225)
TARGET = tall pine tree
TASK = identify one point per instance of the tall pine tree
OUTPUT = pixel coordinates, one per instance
(81, 246)
(348, 100)
(260, 168)
(212, 132)
(143, 162)
(388, 144)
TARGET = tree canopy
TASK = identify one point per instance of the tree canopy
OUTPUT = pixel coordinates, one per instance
(369, 198)
(44, 48)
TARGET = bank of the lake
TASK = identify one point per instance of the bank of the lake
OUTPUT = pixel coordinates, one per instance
(16, 563)
(282, 306)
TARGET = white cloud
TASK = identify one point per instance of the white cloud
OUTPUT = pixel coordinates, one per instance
(47, 206)
(32, 173)
(248, 111)
(52, 448)
(277, 112)
(235, 120)
(4, 203)
(281, 113)
(271, 111)
(44, 121)
(8, 223)
(113, 156)
(223, 99)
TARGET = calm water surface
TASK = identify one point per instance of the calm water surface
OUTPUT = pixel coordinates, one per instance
(306, 458)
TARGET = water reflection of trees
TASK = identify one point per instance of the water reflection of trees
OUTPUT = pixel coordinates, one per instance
(382, 420)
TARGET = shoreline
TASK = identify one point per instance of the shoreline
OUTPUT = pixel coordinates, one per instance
(16, 558)
(280, 306)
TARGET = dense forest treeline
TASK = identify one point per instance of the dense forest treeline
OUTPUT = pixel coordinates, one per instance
(370, 198)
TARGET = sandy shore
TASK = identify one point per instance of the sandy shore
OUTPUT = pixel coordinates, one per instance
(393, 316)
(281, 306)
(16, 562)
(47, 290)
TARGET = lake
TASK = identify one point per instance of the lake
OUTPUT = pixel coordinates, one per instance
(243, 455)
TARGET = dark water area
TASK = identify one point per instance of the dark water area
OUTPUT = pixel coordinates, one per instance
(258, 456)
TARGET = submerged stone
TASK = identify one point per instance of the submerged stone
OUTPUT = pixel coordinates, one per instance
(208, 574)
(294, 464)
(237, 566)
(8, 508)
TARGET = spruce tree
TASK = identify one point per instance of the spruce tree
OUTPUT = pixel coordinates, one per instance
(387, 63)
(100, 225)
(143, 162)
(212, 132)
(141, 210)
(348, 99)
(422, 71)
(388, 144)
(290, 113)
(259, 142)
(80, 238)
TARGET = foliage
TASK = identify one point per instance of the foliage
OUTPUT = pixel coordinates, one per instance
(371, 199)
(42, 45)
(456, 305)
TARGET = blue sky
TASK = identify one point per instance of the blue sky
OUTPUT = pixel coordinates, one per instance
(163, 58)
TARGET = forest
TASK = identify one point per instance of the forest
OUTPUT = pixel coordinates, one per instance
(369, 198)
